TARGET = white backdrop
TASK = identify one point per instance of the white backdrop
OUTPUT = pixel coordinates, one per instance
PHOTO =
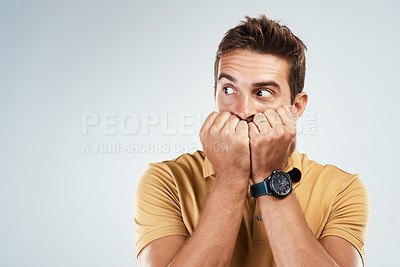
(92, 91)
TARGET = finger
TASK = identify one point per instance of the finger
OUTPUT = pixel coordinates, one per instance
(288, 120)
(242, 127)
(273, 118)
(219, 122)
(231, 123)
(253, 129)
(262, 123)
(259, 118)
(209, 121)
(293, 116)
(286, 116)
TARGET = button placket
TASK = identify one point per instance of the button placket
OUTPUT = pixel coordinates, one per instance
(258, 227)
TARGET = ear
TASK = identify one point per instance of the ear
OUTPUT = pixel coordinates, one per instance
(299, 104)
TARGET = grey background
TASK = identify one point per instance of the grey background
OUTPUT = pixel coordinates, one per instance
(61, 60)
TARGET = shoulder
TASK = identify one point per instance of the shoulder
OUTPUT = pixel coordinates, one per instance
(330, 183)
(184, 163)
(328, 174)
(177, 170)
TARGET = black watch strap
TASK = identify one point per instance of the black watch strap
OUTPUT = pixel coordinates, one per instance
(260, 189)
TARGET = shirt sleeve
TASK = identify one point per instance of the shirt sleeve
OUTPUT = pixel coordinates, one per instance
(349, 216)
(157, 211)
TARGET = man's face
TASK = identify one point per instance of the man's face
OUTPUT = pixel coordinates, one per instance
(249, 83)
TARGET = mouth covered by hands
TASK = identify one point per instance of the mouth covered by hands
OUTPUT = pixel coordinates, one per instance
(249, 149)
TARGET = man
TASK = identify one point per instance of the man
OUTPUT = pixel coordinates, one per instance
(216, 208)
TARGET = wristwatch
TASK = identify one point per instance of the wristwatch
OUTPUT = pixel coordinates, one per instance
(277, 184)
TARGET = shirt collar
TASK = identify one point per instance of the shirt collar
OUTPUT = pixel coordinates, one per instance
(293, 167)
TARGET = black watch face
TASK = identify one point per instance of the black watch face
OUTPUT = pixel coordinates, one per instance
(281, 184)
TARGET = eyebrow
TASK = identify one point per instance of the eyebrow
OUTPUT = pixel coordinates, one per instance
(227, 76)
(258, 84)
(268, 83)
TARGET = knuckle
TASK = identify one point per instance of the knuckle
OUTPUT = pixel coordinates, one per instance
(202, 132)
(280, 131)
(214, 129)
(268, 138)
(225, 133)
(266, 131)
(236, 141)
(259, 141)
(254, 141)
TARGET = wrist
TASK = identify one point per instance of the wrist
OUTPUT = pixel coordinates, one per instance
(232, 191)
(233, 174)
(234, 182)
(259, 177)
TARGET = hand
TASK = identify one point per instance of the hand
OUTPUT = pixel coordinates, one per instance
(225, 142)
(272, 140)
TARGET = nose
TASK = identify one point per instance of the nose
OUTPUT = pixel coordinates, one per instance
(245, 108)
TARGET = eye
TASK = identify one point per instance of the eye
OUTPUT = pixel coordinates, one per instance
(228, 90)
(264, 93)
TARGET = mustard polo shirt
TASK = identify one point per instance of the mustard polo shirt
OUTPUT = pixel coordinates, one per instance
(170, 195)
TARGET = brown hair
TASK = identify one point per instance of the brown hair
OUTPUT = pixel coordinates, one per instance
(266, 36)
